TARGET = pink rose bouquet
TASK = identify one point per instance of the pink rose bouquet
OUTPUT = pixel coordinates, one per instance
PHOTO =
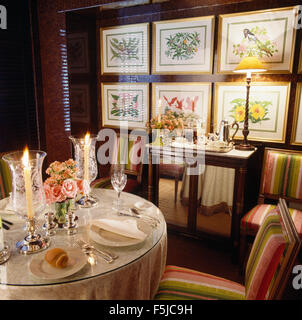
(62, 183)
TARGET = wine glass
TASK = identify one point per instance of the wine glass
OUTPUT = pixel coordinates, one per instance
(118, 181)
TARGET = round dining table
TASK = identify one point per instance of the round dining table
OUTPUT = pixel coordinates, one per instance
(134, 275)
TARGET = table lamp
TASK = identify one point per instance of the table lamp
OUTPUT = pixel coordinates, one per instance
(248, 65)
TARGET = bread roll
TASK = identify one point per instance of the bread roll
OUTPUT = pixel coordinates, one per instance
(57, 257)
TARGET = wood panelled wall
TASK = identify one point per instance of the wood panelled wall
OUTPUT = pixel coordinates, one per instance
(52, 16)
(18, 122)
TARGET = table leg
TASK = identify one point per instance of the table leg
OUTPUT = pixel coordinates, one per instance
(193, 190)
(153, 180)
(237, 211)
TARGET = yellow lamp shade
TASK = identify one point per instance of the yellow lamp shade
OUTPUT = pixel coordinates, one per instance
(249, 65)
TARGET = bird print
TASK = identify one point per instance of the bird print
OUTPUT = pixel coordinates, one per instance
(251, 37)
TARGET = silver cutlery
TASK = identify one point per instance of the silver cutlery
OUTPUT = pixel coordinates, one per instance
(136, 212)
(105, 255)
(147, 219)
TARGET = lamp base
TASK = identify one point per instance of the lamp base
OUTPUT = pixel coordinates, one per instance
(244, 147)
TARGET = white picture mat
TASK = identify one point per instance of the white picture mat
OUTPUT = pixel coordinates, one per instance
(115, 65)
(280, 27)
(272, 129)
(202, 60)
(202, 93)
(126, 92)
(298, 133)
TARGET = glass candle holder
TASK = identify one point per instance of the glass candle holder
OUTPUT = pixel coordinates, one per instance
(86, 171)
(27, 198)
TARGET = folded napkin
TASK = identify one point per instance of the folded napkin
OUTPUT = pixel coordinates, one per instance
(127, 227)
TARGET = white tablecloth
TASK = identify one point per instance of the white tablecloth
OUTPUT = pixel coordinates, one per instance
(134, 275)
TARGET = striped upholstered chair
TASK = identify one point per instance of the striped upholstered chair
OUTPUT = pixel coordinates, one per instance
(268, 269)
(5, 179)
(131, 150)
(281, 177)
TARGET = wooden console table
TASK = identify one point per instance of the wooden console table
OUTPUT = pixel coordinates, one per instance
(236, 159)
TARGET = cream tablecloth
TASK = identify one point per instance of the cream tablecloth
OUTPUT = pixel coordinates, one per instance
(134, 275)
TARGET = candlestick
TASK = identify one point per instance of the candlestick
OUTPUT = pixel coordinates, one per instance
(86, 156)
(28, 184)
(159, 110)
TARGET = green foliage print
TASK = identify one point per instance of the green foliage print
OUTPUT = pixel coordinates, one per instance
(182, 45)
(124, 50)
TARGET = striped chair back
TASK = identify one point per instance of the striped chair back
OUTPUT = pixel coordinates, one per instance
(130, 150)
(5, 180)
(273, 253)
(282, 174)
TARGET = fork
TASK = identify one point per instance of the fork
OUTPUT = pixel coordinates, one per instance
(109, 257)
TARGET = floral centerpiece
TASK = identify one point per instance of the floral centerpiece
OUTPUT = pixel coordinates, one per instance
(169, 121)
(62, 187)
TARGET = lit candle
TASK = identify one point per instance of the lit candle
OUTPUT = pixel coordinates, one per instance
(86, 156)
(159, 110)
(28, 184)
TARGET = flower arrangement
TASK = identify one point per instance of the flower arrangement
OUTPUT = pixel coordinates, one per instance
(169, 121)
(62, 183)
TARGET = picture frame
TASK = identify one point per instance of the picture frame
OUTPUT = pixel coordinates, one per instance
(296, 134)
(183, 98)
(78, 56)
(268, 34)
(300, 59)
(125, 105)
(80, 102)
(183, 46)
(125, 49)
(268, 108)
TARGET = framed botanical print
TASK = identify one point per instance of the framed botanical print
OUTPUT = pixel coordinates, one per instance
(269, 35)
(80, 102)
(296, 136)
(268, 108)
(183, 99)
(125, 105)
(183, 46)
(300, 59)
(77, 48)
(125, 49)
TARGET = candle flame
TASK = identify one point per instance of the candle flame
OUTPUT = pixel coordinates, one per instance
(25, 158)
(87, 138)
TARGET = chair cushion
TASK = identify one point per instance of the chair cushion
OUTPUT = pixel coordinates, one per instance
(180, 283)
(251, 222)
(283, 174)
(105, 183)
(265, 258)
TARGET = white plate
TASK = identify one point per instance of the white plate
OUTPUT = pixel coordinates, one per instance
(43, 270)
(111, 239)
